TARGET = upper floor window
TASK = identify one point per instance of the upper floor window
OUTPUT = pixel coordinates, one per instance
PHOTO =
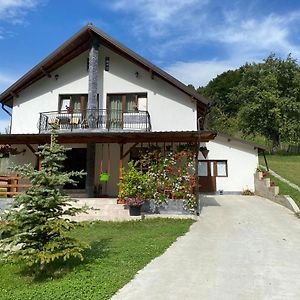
(72, 102)
(132, 102)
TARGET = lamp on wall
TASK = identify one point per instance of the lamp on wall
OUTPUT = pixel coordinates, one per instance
(137, 74)
(106, 67)
(56, 76)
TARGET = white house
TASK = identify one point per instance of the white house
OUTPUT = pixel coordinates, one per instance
(109, 101)
(229, 165)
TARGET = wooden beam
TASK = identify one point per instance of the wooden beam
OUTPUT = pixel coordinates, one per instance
(113, 137)
(31, 149)
(151, 74)
(15, 185)
(128, 151)
(45, 72)
(14, 94)
(38, 158)
(121, 201)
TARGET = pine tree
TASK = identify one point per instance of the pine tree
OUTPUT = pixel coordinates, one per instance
(37, 223)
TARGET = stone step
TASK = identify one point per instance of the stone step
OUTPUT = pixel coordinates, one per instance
(98, 201)
(77, 193)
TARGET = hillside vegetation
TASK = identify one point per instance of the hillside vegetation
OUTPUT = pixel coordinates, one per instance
(258, 101)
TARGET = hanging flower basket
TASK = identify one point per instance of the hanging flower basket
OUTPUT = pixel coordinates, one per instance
(204, 151)
(104, 177)
(6, 150)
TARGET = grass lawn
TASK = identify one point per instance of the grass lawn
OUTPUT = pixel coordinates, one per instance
(285, 189)
(118, 251)
(287, 166)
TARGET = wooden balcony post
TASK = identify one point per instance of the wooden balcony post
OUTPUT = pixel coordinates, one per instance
(90, 169)
(121, 201)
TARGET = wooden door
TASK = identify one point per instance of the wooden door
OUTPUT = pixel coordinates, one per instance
(207, 178)
(76, 161)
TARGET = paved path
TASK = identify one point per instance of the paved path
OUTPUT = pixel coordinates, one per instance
(4, 203)
(241, 248)
(291, 184)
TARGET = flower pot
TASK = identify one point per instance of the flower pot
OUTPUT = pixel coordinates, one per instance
(104, 177)
(204, 153)
(135, 210)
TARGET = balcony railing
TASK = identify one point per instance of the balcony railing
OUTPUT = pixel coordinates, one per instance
(95, 119)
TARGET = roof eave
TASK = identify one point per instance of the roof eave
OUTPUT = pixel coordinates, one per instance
(7, 96)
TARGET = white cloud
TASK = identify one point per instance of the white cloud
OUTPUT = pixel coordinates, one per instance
(201, 72)
(157, 10)
(159, 18)
(241, 41)
(269, 34)
(14, 11)
(238, 34)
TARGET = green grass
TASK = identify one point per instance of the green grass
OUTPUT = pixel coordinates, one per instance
(288, 167)
(118, 251)
(285, 189)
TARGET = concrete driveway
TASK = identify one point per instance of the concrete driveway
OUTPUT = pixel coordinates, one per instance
(241, 248)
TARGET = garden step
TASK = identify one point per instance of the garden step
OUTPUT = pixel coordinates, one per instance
(77, 193)
(97, 201)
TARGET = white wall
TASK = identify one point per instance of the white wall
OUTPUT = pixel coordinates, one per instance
(169, 108)
(242, 161)
(43, 95)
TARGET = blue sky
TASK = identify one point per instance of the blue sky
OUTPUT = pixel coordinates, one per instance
(194, 40)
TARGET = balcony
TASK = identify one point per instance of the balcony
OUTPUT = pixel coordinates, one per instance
(95, 120)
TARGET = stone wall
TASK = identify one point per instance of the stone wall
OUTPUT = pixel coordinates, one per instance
(264, 189)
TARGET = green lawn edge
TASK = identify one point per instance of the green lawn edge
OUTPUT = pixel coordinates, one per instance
(287, 166)
(118, 251)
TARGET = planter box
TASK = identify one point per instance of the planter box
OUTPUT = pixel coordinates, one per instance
(172, 207)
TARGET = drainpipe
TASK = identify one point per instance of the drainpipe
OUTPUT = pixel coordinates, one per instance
(8, 112)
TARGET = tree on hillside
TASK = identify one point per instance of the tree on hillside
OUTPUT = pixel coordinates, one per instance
(223, 114)
(37, 225)
(270, 96)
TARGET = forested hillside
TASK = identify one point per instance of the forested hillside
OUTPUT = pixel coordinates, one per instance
(259, 101)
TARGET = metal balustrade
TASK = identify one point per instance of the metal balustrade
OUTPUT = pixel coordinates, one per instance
(95, 119)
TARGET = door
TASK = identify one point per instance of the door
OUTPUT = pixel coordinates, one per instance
(76, 161)
(207, 178)
(117, 105)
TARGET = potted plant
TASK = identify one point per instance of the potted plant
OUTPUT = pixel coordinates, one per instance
(204, 151)
(135, 205)
(5, 150)
(134, 188)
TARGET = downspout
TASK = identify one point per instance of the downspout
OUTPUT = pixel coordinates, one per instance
(8, 112)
